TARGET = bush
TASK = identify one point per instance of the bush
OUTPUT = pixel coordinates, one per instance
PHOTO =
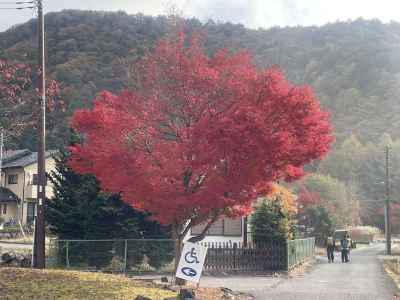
(116, 265)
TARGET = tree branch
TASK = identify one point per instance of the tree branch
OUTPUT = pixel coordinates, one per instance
(201, 236)
(187, 228)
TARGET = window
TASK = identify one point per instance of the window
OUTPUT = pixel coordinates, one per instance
(4, 209)
(30, 212)
(233, 227)
(34, 179)
(13, 179)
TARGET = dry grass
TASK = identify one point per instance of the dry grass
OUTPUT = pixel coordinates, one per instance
(392, 268)
(396, 249)
(24, 240)
(55, 284)
(209, 294)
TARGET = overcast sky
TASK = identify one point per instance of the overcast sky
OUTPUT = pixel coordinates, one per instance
(251, 13)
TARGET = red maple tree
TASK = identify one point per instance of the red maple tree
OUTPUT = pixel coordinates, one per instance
(200, 136)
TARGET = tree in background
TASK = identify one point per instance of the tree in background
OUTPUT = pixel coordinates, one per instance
(395, 217)
(313, 218)
(339, 201)
(18, 102)
(273, 218)
(199, 135)
(345, 161)
(79, 210)
(317, 221)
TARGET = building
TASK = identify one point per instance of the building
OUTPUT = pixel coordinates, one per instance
(18, 184)
(229, 231)
(224, 231)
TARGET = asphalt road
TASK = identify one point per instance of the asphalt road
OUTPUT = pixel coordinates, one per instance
(363, 278)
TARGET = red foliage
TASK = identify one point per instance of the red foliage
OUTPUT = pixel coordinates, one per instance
(307, 199)
(16, 81)
(394, 215)
(200, 134)
(19, 97)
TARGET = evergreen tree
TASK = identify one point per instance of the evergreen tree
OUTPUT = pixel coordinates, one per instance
(269, 222)
(79, 210)
(317, 222)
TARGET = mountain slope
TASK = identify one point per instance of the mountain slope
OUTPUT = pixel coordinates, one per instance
(353, 66)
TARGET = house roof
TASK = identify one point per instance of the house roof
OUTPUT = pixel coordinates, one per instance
(14, 154)
(22, 158)
(7, 196)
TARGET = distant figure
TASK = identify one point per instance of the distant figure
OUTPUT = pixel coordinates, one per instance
(330, 248)
(345, 243)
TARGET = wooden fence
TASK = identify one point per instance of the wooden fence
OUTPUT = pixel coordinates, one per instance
(254, 257)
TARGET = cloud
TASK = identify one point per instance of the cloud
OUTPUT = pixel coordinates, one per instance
(217, 10)
(251, 13)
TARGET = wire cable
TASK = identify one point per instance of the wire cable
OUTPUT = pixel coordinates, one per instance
(17, 8)
(17, 2)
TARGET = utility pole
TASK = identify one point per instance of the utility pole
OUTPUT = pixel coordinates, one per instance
(388, 231)
(39, 240)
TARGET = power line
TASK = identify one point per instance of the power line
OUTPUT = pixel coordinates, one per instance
(16, 5)
(18, 2)
(18, 8)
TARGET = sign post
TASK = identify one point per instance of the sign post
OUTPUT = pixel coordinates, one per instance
(191, 262)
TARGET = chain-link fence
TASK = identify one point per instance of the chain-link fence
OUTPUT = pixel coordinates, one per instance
(130, 255)
(140, 256)
(299, 250)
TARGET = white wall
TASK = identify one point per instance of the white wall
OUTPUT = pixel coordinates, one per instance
(11, 211)
(23, 188)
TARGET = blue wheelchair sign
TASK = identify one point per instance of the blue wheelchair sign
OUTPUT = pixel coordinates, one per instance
(189, 271)
(191, 262)
(191, 257)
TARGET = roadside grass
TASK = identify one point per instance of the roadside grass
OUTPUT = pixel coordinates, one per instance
(55, 284)
(23, 240)
(392, 268)
(396, 249)
(391, 264)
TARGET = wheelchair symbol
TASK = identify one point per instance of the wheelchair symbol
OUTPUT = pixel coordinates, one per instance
(191, 257)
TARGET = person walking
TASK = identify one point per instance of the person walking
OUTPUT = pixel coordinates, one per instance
(330, 248)
(345, 244)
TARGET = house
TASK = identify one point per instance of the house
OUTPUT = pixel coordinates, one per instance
(230, 231)
(18, 184)
(226, 231)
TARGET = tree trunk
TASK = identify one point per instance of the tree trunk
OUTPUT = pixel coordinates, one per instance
(178, 249)
(179, 235)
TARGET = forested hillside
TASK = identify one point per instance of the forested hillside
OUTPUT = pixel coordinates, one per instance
(354, 68)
